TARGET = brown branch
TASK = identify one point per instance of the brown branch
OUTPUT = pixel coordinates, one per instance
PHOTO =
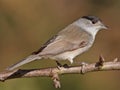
(54, 72)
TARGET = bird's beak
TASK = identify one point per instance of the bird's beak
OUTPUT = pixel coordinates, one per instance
(104, 26)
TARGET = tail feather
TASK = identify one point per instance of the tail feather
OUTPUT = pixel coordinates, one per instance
(24, 61)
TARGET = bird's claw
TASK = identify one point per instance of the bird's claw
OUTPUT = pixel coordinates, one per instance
(60, 65)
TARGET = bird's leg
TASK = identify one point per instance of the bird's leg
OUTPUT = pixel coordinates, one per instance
(66, 66)
(60, 65)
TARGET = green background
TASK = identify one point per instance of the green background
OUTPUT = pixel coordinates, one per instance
(26, 24)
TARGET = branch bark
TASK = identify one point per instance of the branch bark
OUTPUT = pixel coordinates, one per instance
(54, 72)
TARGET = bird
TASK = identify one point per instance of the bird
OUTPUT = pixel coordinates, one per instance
(73, 40)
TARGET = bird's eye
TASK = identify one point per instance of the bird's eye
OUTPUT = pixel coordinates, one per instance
(94, 21)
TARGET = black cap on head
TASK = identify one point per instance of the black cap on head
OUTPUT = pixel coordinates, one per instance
(93, 19)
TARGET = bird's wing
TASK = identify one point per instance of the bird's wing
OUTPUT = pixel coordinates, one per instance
(64, 41)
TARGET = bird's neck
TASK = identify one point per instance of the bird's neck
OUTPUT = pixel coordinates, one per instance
(90, 30)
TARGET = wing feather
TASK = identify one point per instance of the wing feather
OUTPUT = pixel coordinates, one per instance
(68, 39)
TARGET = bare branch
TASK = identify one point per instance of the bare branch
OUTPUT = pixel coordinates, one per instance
(54, 72)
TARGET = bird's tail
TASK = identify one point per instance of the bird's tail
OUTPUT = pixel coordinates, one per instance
(24, 61)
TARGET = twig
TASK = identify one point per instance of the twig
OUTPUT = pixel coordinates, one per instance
(54, 72)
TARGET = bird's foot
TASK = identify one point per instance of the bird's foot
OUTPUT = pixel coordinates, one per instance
(66, 66)
(59, 65)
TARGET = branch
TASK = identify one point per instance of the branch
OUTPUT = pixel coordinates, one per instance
(54, 72)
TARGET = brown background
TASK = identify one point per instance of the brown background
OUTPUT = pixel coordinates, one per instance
(26, 24)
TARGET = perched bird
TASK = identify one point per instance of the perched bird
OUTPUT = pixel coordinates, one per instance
(71, 41)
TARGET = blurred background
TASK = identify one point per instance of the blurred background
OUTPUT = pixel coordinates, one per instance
(26, 24)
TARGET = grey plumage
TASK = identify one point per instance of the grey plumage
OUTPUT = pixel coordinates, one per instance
(24, 61)
(73, 40)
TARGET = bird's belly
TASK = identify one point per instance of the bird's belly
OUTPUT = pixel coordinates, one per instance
(71, 54)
